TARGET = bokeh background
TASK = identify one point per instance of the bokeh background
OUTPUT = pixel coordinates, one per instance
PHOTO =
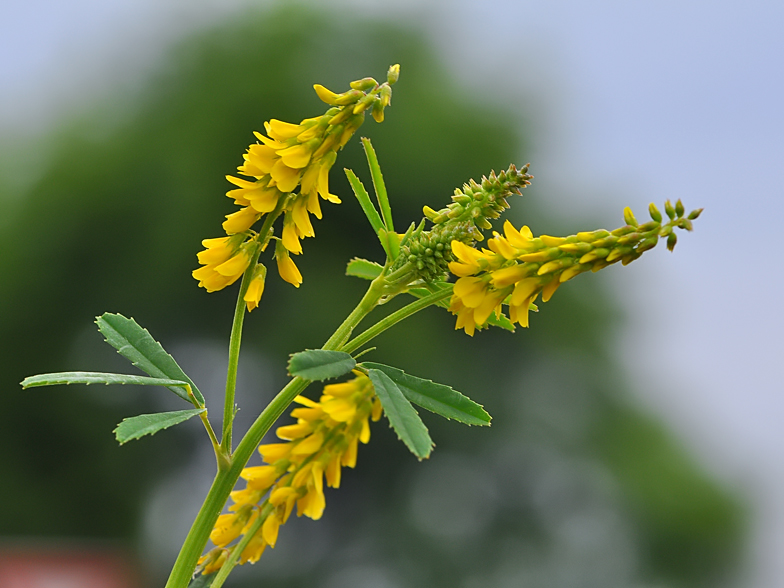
(637, 437)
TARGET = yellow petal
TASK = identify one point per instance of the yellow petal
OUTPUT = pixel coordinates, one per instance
(281, 130)
(286, 178)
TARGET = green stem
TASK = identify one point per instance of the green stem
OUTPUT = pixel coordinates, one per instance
(394, 318)
(236, 329)
(234, 354)
(368, 303)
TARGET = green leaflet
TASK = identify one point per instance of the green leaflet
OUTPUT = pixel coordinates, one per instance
(320, 364)
(137, 345)
(379, 186)
(402, 417)
(437, 398)
(148, 424)
(362, 268)
(364, 201)
(98, 378)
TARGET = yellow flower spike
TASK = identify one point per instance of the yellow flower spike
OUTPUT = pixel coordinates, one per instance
(295, 472)
(240, 221)
(286, 267)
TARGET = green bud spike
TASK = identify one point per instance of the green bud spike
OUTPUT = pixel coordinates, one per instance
(672, 239)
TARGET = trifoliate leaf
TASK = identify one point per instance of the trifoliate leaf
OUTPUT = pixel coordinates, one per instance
(402, 417)
(148, 424)
(320, 364)
(437, 398)
(137, 345)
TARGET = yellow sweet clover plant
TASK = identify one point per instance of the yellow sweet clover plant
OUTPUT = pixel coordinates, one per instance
(439, 261)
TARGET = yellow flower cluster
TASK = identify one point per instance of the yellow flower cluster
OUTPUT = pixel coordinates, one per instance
(289, 157)
(324, 439)
(516, 267)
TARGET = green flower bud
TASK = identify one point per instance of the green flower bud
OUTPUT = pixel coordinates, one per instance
(669, 209)
(654, 212)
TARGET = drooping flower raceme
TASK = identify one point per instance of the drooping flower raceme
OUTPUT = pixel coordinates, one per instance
(517, 267)
(285, 173)
(324, 439)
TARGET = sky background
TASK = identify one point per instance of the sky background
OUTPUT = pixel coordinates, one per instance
(630, 102)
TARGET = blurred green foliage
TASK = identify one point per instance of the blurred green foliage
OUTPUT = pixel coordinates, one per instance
(571, 486)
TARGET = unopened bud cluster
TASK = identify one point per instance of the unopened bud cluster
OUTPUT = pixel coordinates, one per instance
(478, 203)
(429, 252)
(517, 267)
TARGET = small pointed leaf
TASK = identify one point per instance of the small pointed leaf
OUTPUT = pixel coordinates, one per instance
(402, 417)
(138, 346)
(362, 268)
(320, 364)
(437, 398)
(98, 378)
(364, 201)
(148, 424)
